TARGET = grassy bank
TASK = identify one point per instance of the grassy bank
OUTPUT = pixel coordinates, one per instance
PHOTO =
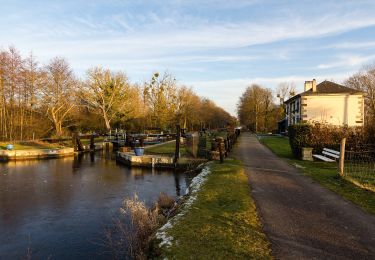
(165, 149)
(221, 222)
(27, 145)
(324, 173)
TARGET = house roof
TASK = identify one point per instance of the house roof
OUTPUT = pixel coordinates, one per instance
(327, 87)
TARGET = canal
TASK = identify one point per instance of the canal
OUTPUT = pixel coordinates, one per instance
(60, 208)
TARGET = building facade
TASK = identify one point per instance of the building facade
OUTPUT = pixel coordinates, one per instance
(326, 102)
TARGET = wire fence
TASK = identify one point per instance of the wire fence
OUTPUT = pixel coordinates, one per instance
(360, 167)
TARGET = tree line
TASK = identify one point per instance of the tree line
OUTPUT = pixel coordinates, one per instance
(259, 109)
(38, 101)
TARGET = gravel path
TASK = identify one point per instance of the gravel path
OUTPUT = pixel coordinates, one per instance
(302, 219)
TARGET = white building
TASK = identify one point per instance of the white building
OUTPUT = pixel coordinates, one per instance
(326, 102)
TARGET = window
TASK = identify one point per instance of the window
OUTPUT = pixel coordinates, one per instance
(297, 108)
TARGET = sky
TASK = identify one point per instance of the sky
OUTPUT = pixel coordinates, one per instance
(217, 47)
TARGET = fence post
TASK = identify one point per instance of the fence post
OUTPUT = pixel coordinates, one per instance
(177, 150)
(221, 152)
(342, 156)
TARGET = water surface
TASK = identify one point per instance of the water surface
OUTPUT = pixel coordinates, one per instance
(59, 208)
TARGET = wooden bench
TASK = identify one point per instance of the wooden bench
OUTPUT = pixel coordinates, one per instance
(328, 155)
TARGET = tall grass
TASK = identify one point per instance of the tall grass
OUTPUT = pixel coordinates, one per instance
(132, 233)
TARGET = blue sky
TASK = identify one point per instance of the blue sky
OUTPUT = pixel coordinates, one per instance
(218, 47)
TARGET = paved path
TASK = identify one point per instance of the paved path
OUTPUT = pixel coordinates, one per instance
(302, 219)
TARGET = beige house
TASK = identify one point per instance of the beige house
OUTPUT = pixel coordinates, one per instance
(326, 102)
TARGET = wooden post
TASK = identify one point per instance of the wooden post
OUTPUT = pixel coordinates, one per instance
(177, 151)
(342, 157)
(221, 150)
(92, 143)
(220, 144)
(74, 141)
(77, 143)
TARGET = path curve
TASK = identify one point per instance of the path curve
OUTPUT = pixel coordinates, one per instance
(302, 219)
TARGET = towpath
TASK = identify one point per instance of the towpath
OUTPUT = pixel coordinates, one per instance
(302, 219)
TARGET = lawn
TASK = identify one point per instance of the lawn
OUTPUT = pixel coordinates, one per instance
(87, 141)
(27, 145)
(165, 149)
(324, 173)
(222, 222)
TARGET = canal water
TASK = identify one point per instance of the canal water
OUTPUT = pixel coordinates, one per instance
(60, 208)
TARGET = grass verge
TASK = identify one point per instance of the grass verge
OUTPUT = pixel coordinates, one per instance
(165, 149)
(324, 173)
(221, 222)
(27, 145)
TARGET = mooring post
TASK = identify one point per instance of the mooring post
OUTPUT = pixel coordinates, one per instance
(177, 150)
(221, 146)
(92, 142)
(74, 141)
(342, 157)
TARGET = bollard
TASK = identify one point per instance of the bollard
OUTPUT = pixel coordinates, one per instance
(92, 143)
(220, 141)
(177, 150)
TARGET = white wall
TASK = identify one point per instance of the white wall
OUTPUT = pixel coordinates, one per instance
(334, 109)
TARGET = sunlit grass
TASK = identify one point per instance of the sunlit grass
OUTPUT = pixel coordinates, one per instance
(222, 222)
(29, 145)
(165, 149)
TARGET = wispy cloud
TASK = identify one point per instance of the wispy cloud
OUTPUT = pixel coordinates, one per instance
(213, 44)
(354, 45)
(347, 61)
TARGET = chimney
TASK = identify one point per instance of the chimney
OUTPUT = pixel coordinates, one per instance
(308, 85)
(314, 85)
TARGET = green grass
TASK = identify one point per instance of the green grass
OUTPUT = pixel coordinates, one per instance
(87, 141)
(324, 173)
(27, 145)
(165, 149)
(222, 222)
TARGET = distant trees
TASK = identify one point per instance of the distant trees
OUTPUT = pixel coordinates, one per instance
(43, 101)
(257, 110)
(365, 81)
(20, 81)
(188, 106)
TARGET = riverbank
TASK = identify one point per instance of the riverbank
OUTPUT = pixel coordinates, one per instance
(324, 173)
(7, 155)
(218, 220)
(25, 150)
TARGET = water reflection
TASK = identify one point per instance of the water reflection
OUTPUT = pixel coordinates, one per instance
(61, 205)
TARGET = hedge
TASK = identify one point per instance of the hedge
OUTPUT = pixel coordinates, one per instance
(319, 136)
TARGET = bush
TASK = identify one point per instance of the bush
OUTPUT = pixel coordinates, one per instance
(130, 237)
(319, 136)
(165, 202)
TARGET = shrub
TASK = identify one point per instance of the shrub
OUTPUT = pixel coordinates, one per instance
(319, 136)
(165, 201)
(131, 237)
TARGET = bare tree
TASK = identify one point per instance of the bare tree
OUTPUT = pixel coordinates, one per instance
(365, 81)
(285, 90)
(110, 95)
(161, 97)
(58, 93)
